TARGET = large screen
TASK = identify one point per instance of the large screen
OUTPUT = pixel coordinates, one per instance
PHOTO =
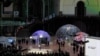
(92, 48)
(68, 6)
(92, 7)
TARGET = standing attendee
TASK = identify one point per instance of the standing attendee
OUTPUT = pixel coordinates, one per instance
(80, 39)
(76, 42)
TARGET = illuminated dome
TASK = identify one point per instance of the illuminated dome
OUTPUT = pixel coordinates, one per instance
(66, 31)
(40, 35)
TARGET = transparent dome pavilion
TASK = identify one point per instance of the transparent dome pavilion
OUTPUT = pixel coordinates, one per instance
(40, 34)
(67, 31)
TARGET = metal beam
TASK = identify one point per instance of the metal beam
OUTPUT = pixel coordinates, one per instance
(43, 4)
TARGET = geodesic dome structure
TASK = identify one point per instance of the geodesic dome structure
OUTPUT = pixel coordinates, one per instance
(67, 31)
(40, 34)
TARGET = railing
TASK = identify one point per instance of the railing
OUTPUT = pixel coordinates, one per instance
(11, 23)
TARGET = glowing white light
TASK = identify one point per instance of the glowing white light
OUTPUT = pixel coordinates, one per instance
(41, 36)
(31, 37)
(66, 38)
(10, 40)
(68, 28)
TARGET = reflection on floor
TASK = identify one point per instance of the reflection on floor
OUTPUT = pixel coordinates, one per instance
(43, 51)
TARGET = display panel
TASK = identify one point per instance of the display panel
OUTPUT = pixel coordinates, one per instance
(92, 7)
(92, 48)
(68, 7)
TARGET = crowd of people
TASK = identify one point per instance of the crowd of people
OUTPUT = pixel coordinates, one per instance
(17, 51)
(19, 41)
(79, 43)
(14, 50)
(9, 51)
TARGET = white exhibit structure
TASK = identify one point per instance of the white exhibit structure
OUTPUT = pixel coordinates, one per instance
(6, 41)
(92, 48)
